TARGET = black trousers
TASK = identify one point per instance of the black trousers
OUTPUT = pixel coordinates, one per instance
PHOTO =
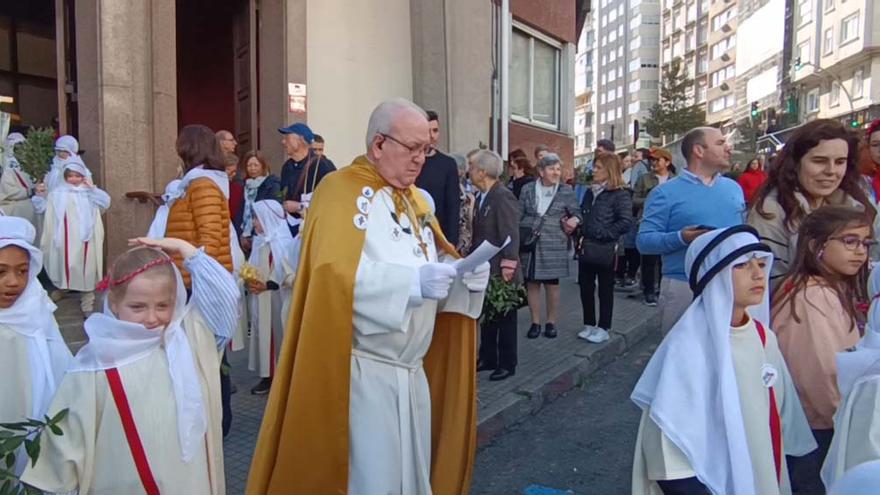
(226, 395)
(628, 264)
(498, 342)
(804, 471)
(651, 268)
(587, 276)
(686, 486)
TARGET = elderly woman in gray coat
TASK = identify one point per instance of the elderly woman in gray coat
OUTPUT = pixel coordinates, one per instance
(548, 207)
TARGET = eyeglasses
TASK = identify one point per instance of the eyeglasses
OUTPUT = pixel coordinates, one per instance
(414, 150)
(852, 242)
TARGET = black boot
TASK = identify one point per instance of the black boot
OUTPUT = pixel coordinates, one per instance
(501, 374)
(262, 388)
(534, 331)
(550, 331)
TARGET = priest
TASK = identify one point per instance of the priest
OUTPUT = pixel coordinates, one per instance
(375, 388)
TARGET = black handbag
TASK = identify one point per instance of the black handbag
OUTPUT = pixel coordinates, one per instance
(602, 254)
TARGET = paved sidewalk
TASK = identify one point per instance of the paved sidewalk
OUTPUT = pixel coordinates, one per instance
(547, 368)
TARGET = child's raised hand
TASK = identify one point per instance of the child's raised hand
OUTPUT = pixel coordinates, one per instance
(168, 244)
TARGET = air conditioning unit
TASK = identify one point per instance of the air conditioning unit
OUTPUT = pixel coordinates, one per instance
(725, 57)
(726, 28)
(724, 87)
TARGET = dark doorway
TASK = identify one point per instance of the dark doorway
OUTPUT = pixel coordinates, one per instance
(214, 74)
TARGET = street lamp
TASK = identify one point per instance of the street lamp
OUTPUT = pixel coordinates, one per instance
(798, 65)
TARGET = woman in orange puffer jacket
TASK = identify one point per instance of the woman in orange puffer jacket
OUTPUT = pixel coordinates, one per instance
(200, 215)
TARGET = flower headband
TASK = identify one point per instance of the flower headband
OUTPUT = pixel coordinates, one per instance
(107, 283)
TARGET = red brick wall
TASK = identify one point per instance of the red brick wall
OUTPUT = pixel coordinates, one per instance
(554, 17)
(527, 137)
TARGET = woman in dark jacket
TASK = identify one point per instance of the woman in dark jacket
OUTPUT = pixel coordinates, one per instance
(260, 185)
(607, 214)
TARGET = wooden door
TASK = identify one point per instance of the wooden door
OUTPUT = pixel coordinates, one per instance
(244, 61)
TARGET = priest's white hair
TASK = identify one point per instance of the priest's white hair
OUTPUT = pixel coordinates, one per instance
(384, 114)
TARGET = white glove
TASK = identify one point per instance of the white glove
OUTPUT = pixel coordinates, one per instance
(435, 279)
(477, 280)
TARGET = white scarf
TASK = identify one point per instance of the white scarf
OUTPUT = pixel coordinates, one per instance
(32, 316)
(251, 189)
(543, 199)
(597, 189)
(9, 150)
(865, 361)
(690, 383)
(160, 220)
(219, 178)
(285, 249)
(85, 210)
(114, 343)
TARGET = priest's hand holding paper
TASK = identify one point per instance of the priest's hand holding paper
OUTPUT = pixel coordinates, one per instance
(477, 280)
(435, 279)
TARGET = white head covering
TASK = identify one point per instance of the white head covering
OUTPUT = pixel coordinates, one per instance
(114, 343)
(86, 211)
(32, 316)
(160, 221)
(276, 233)
(866, 359)
(689, 383)
(9, 149)
(863, 479)
(67, 143)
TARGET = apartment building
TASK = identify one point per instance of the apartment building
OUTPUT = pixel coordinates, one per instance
(723, 22)
(837, 59)
(584, 114)
(627, 66)
(685, 36)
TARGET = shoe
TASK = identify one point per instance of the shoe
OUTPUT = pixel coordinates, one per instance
(501, 374)
(550, 331)
(262, 388)
(630, 283)
(599, 336)
(534, 331)
(56, 295)
(650, 300)
(587, 331)
(481, 366)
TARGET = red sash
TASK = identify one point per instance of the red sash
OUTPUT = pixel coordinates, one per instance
(775, 423)
(131, 433)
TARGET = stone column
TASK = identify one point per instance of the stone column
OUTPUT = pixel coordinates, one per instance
(127, 89)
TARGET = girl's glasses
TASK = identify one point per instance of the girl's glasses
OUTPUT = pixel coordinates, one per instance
(852, 242)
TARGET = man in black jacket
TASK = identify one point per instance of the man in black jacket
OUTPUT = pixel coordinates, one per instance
(439, 177)
(303, 170)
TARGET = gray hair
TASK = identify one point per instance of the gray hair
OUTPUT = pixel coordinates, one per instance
(384, 114)
(548, 160)
(490, 162)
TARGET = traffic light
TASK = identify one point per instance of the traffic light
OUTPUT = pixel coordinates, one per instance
(754, 109)
(854, 124)
(797, 63)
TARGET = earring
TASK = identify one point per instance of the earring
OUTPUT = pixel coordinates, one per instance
(821, 253)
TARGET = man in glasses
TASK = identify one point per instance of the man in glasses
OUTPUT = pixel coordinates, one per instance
(440, 178)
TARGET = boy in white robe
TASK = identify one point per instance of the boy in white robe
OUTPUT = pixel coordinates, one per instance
(144, 393)
(275, 257)
(73, 233)
(65, 147)
(15, 184)
(857, 421)
(720, 411)
(33, 355)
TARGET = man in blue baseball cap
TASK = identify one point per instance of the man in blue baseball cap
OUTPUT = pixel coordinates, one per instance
(303, 170)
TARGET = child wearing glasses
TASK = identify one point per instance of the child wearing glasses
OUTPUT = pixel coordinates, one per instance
(818, 312)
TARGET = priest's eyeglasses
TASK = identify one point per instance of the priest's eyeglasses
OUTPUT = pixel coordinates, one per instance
(852, 242)
(414, 150)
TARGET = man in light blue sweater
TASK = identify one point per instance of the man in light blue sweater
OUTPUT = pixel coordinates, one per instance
(680, 210)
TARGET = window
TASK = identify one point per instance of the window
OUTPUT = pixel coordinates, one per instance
(634, 64)
(619, 112)
(604, 20)
(720, 48)
(701, 93)
(858, 83)
(722, 103)
(620, 10)
(534, 83)
(602, 118)
(620, 31)
(691, 12)
(722, 75)
(723, 18)
(634, 86)
(704, 6)
(834, 95)
(813, 100)
(611, 76)
(635, 43)
(633, 108)
(620, 92)
(620, 71)
(805, 11)
(612, 37)
(612, 56)
(612, 16)
(602, 99)
(849, 28)
(702, 62)
(829, 42)
(703, 32)
(620, 51)
(803, 52)
(829, 5)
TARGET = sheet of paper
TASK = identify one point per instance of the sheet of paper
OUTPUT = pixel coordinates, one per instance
(483, 253)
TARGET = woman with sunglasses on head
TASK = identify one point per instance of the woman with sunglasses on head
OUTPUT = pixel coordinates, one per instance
(817, 312)
(817, 167)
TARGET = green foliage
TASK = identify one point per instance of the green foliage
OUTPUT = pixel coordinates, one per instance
(35, 154)
(501, 297)
(28, 433)
(748, 133)
(674, 114)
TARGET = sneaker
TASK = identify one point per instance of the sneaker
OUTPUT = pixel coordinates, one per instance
(263, 387)
(650, 300)
(587, 331)
(599, 336)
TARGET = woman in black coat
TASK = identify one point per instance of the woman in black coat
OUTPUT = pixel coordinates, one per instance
(259, 185)
(607, 214)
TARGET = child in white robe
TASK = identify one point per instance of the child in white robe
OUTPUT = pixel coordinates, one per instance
(65, 147)
(857, 421)
(275, 257)
(720, 411)
(15, 184)
(33, 355)
(144, 393)
(73, 233)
